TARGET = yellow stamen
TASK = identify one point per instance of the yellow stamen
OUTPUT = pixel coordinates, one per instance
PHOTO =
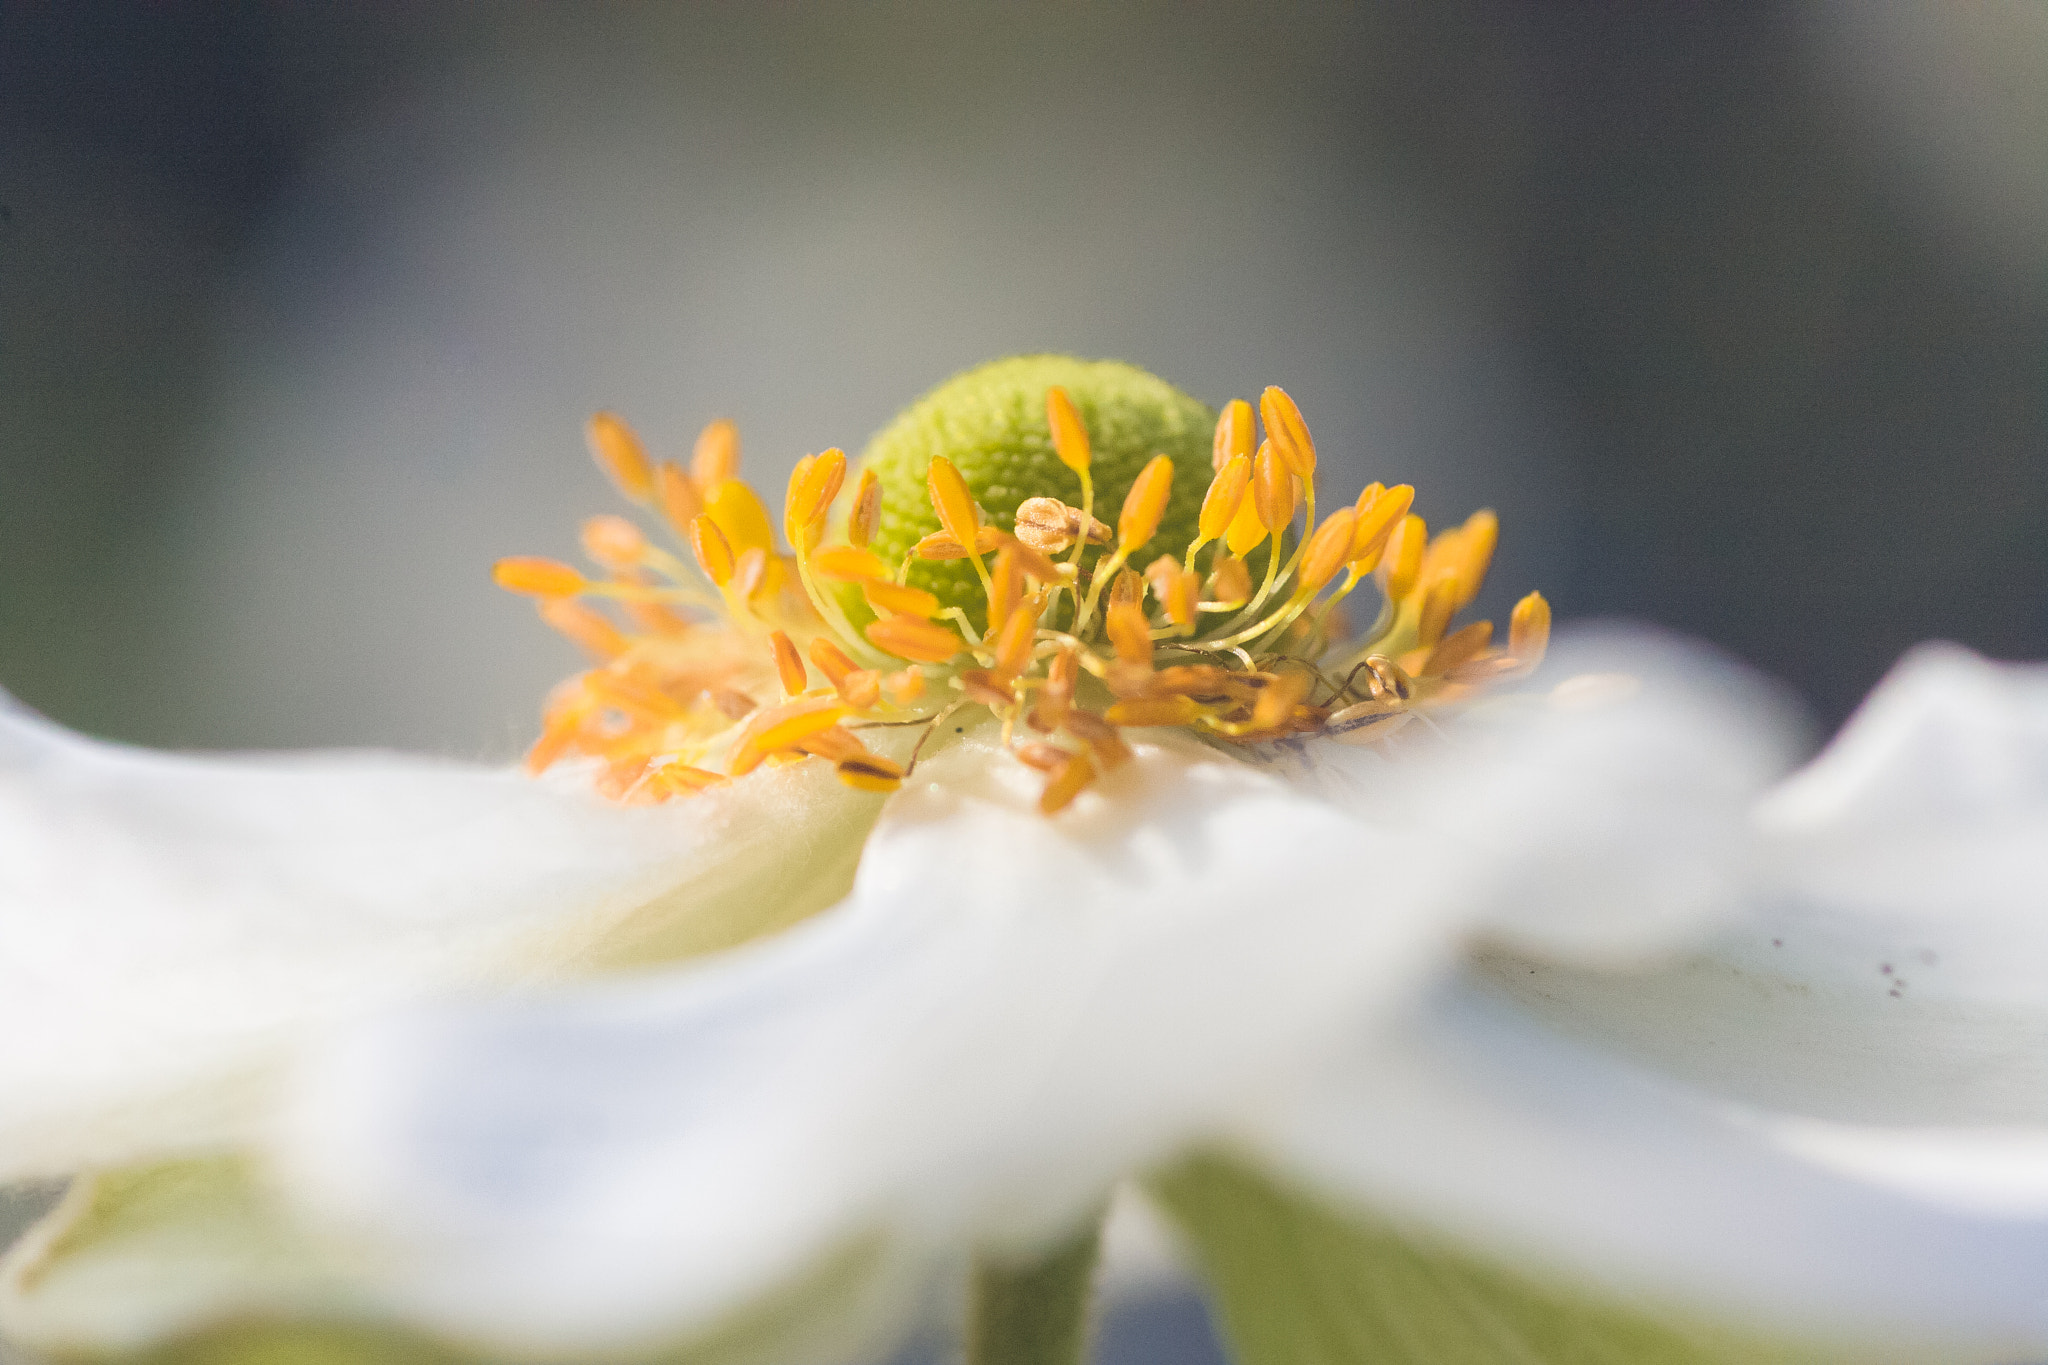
(849, 564)
(1461, 646)
(951, 500)
(914, 638)
(1376, 523)
(717, 456)
(1129, 633)
(1529, 630)
(614, 542)
(677, 497)
(584, 626)
(1220, 505)
(1015, 640)
(1234, 434)
(1272, 490)
(1402, 561)
(1327, 549)
(1288, 433)
(714, 554)
(1006, 587)
(1050, 526)
(789, 666)
(866, 516)
(1143, 711)
(943, 544)
(1069, 433)
(1230, 582)
(1183, 597)
(740, 516)
(883, 595)
(812, 487)
(680, 779)
(619, 454)
(537, 576)
(904, 686)
(750, 573)
(781, 728)
(1246, 531)
(1068, 782)
(1034, 564)
(1439, 603)
(1145, 504)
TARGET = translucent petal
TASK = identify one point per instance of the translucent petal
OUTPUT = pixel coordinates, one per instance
(170, 925)
(1478, 1124)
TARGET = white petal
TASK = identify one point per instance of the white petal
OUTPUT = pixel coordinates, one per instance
(1922, 832)
(1608, 820)
(1892, 966)
(1010, 1013)
(169, 925)
(1478, 1123)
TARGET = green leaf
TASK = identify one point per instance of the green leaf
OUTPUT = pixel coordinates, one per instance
(1034, 1312)
(1295, 1283)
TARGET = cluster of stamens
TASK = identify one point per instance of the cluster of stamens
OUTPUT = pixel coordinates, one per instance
(742, 655)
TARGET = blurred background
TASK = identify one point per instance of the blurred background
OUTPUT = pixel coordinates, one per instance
(1737, 312)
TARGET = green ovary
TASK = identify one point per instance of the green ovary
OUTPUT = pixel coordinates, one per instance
(990, 422)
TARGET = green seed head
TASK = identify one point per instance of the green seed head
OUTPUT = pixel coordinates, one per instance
(990, 422)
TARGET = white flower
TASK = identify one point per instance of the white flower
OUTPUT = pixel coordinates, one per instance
(1409, 1041)
(1009, 1014)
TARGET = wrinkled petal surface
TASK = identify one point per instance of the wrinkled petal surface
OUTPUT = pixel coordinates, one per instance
(169, 925)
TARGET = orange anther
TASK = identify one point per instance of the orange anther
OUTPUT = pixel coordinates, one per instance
(952, 501)
(915, 638)
(677, 497)
(1055, 699)
(1130, 633)
(1246, 530)
(1230, 581)
(1183, 597)
(1460, 647)
(1327, 550)
(1277, 700)
(1439, 604)
(1176, 710)
(1145, 504)
(789, 665)
(1159, 575)
(861, 689)
(749, 572)
(1288, 433)
(1376, 522)
(984, 688)
(613, 542)
(830, 659)
(866, 514)
(1273, 491)
(537, 577)
(1127, 589)
(1005, 587)
(870, 773)
(1529, 630)
(849, 563)
(1069, 433)
(1015, 639)
(584, 626)
(714, 554)
(680, 779)
(812, 486)
(883, 595)
(1234, 434)
(717, 456)
(781, 728)
(905, 686)
(1068, 782)
(943, 545)
(1225, 496)
(619, 454)
(1044, 757)
(740, 516)
(1475, 545)
(834, 744)
(1402, 561)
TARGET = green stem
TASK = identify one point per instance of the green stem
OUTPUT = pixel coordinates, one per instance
(1035, 1311)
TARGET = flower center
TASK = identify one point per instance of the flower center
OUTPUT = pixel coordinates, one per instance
(975, 567)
